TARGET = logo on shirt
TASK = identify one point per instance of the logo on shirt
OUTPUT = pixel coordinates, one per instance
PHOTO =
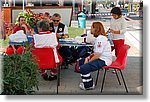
(99, 44)
(60, 29)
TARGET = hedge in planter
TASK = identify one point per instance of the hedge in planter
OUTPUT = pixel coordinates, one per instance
(20, 74)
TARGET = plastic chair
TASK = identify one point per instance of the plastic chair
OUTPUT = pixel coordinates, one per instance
(46, 56)
(118, 65)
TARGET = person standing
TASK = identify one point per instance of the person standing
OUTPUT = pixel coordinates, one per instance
(118, 29)
(102, 56)
(61, 31)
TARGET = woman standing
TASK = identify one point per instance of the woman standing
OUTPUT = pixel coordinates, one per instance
(101, 57)
(118, 29)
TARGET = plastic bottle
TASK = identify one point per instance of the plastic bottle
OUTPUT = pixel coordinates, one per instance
(110, 37)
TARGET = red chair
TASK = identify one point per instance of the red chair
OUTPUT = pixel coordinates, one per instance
(46, 60)
(118, 65)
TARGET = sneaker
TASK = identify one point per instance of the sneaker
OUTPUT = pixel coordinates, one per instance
(52, 78)
(114, 72)
(45, 77)
(81, 85)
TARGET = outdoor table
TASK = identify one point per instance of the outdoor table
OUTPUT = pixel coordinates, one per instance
(64, 42)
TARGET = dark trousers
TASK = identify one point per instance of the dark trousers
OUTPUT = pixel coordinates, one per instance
(85, 70)
(65, 53)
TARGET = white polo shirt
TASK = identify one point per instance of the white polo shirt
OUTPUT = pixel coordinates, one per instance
(118, 24)
(103, 46)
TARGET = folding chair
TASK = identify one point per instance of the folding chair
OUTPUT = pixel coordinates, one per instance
(46, 53)
(118, 64)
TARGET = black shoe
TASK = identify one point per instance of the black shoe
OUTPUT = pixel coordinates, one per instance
(52, 78)
(45, 77)
(66, 67)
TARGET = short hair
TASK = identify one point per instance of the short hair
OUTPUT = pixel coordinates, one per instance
(46, 13)
(99, 29)
(44, 25)
(116, 10)
(56, 15)
(20, 18)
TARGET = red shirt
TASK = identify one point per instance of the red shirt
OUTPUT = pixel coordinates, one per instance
(17, 28)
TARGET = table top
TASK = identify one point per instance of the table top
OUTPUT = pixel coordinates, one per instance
(71, 42)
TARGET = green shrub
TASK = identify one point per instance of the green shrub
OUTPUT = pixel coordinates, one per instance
(20, 74)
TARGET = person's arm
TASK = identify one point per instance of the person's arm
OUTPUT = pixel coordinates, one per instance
(92, 57)
(13, 48)
(26, 28)
(95, 56)
(66, 35)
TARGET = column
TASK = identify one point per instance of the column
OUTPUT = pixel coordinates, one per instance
(61, 2)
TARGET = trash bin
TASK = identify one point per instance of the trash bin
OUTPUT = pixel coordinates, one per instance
(81, 20)
(124, 12)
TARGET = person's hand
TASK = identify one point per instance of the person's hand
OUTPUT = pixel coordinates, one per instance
(86, 60)
(58, 35)
(111, 30)
(23, 25)
(66, 36)
(115, 31)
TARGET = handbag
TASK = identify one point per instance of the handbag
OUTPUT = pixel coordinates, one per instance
(77, 67)
(78, 63)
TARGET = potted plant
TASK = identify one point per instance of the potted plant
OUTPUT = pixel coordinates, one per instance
(20, 73)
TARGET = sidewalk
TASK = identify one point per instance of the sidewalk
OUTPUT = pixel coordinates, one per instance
(70, 80)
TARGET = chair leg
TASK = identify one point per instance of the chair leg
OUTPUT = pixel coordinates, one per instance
(117, 77)
(103, 80)
(97, 77)
(123, 81)
(58, 77)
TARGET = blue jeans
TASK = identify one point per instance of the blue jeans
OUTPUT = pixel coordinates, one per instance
(85, 70)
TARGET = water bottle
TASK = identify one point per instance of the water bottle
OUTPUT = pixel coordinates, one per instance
(110, 37)
(29, 37)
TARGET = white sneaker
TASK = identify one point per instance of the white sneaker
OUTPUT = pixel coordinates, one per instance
(114, 72)
(81, 85)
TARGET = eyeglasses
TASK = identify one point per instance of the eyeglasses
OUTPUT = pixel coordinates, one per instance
(55, 20)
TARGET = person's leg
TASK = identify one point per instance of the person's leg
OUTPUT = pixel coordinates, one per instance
(117, 45)
(87, 68)
(9, 51)
(66, 54)
(20, 50)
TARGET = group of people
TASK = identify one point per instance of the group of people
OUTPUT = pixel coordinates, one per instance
(102, 55)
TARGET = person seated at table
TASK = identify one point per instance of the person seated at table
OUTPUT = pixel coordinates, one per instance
(102, 56)
(22, 25)
(43, 28)
(61, 31)
(16, 43)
